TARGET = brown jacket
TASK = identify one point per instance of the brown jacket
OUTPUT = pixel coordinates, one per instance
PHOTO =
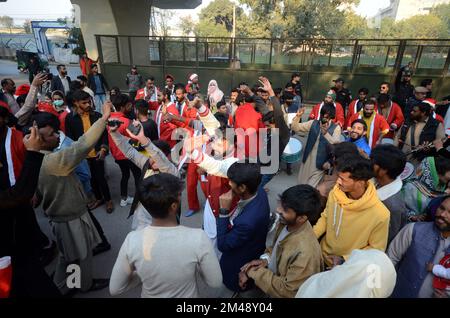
(298, 257)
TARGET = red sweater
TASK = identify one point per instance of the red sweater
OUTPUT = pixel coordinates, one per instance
(247, 122)
(315, 113)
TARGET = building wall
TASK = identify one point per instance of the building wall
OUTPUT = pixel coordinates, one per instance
(404, 9)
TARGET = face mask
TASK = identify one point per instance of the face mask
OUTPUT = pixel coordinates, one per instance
(58, 103)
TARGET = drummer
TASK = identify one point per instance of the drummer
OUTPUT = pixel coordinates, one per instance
(425, 130)
(321, 133)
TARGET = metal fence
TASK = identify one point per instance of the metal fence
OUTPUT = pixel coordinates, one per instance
(363, 63)
(274, 53)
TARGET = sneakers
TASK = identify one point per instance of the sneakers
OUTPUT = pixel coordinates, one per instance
(124, 203)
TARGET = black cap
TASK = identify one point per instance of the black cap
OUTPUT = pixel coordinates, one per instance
(339, 79)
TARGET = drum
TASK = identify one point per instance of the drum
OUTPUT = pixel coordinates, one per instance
(408, 171)
(387, 141)
(292, 151)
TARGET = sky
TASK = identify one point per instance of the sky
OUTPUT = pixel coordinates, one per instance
(20, 10)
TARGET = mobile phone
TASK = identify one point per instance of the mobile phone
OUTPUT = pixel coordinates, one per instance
(114, 123)
(134, 129)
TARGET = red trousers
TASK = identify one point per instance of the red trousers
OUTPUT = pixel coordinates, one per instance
(192, 179)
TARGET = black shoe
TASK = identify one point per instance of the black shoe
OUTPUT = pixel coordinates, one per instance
(101, 248)
(99, 283)
(289, 172)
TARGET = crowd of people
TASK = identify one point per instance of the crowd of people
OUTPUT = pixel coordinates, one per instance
(372, 197)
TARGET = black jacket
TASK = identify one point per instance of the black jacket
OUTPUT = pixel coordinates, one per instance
(19, 230)
(57, 84)
(343, 97)
(74, 128)
(91, 83)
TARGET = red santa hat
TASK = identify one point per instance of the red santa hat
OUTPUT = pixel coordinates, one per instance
(22, 90)
(47, 108)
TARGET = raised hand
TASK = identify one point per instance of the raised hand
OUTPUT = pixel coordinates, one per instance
(107, 107)
(39, 79)
(33, 141)
(266, 85)
(140, 136)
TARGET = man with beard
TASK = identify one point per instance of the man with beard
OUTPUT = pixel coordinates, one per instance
(357, 104)
(377, 126)
(62, 81)
(321, 134)
(416, 245)
(391, 112)
(330, 98)
(420, 95)
(420, 130)
(150, 92)
(358, 136)
(295, 254)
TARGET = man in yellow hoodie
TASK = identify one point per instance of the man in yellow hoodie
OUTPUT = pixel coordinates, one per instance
(354, 217)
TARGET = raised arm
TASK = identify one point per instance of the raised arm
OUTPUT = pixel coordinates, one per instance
(24, 114)
(63, 162)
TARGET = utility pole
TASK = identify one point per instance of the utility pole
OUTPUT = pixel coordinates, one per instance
(233, 35)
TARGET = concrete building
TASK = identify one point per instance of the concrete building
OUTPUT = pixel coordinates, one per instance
(403, 9)
(118, 17)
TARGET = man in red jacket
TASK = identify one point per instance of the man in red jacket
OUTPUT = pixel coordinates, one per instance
(356, 105)
(329, 98)
(392, 113)
(377, 125)
(123, 106)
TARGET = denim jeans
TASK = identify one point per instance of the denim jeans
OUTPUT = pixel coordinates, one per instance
(99, 100)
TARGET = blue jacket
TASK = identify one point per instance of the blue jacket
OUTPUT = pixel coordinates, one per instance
(245, 240)
(362, 144)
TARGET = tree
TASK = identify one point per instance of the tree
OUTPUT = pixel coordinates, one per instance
(27, 26)
(186, 25)
(161, 21)
(442, 11)
(211, 19)
(298, 18)
(423, 26)
(7, 22)
(353, 27)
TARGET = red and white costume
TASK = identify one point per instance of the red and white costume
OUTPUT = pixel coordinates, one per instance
(147, 95)
(395, 116)
(315, 113)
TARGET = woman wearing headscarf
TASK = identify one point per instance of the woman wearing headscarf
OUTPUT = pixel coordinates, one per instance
(366, 274)
(431, 180)
(215, 95)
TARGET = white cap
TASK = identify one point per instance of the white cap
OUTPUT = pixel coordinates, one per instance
(193, 76)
